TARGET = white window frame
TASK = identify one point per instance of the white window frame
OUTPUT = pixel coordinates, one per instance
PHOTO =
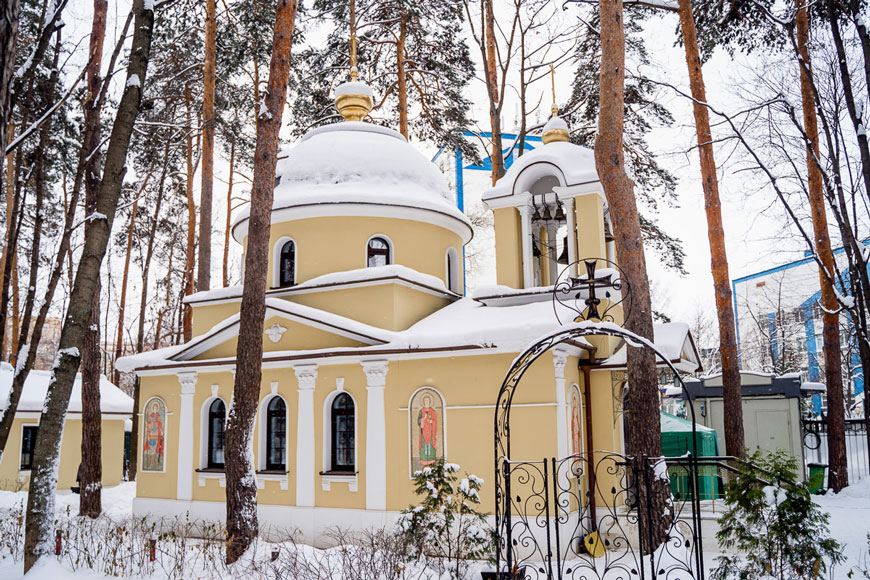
(276, 262)
(390, 245)
(203, 429)
(263, 430)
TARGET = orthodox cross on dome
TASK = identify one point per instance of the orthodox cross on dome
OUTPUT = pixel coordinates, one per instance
(353, 99)
(556, 129)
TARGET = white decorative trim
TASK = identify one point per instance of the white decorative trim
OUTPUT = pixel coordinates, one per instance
(326, 479)
(306, 375)
(339, 383)
(282, 480)
(376, 435)
(560, 358)
(214, 390)
(572, 235)
(275, 332)
(273, 387)
(203, 427)
(184, 479)
(452, 279)
(220, 477)
(526, 244)
(355, 209)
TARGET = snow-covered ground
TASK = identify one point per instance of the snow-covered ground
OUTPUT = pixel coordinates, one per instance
(849, 511)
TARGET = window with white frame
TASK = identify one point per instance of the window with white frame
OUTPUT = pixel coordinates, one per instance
(217, 416)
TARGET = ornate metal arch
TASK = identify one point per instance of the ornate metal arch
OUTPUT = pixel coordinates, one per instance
(502, 428)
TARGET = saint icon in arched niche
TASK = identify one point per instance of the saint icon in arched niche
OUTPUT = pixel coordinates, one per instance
(427, 428)
(154, 435)
(575, 422)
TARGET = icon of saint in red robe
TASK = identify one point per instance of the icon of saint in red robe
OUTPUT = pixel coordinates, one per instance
(152, 454)
(576, 426)
(427, 421)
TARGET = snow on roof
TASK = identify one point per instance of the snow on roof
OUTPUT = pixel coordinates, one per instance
(112, 399)
(674, 424)
(467, 321)
(576, 163)
(669, 338)
(333, 278)
(813, 387)
(356, 162)
(373, 273)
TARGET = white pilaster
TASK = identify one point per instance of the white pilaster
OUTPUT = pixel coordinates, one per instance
(572, 235)
(560, 357)
(526, 234)
(552, 245)
(376, 435)
(184, 481)
(306, 375)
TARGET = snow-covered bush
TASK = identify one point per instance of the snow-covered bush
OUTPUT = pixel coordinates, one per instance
(445, 526)
(774, 524)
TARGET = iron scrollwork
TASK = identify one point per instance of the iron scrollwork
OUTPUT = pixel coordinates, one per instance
(593, 295)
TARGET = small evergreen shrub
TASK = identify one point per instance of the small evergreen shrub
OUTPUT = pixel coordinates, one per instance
(777, 529)
(445, 527)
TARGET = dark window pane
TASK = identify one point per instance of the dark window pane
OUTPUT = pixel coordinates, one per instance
(288, 264)
(276, 434)
(216, 423)
(28, 442)
(378, 253)
(343, 436)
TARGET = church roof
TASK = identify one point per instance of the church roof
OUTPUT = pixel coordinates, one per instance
(357, 163)
(572, 164)
(112, 399)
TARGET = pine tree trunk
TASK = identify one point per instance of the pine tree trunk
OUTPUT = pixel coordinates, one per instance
(403, 78)
(241, 491)
(731, 388)
(838, 471)
(90, 502)
(9, 12)
(10, 193)
(39, 522)
(122, 301)
(643, 396)
(191, 221)
(229, 223)
(203, 277)
(489, 54)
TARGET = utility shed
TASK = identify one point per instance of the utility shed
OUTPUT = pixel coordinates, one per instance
(771, 411)
(676, 442)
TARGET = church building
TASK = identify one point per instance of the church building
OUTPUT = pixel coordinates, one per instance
(376, 361)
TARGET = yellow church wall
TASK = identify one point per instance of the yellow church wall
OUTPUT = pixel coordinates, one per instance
(469, 386)
(390, 306)
(606, 428)
(418, 245)
(297, 337)
(12, 479)
(508, 241)
(206, 315)
(589, 210)
(152, 484)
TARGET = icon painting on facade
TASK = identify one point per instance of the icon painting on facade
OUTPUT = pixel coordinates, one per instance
(153, 447)
(427, 429)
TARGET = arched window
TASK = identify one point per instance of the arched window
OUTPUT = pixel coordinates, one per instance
(287, 264)
(276, 435)
(343, 434)
(217, 415)
(378, 253)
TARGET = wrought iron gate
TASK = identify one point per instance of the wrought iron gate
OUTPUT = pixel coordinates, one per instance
(547, 509)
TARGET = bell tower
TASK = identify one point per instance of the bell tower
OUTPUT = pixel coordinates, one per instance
(549, 211)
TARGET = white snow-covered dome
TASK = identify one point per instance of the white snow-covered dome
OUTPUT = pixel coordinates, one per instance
(357, 164)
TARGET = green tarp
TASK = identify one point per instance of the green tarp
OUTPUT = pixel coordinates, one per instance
(676, 442)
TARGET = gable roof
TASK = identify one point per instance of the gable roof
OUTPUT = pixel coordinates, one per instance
(112, 399)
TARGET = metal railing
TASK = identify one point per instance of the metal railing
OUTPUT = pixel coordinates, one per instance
(857, 453)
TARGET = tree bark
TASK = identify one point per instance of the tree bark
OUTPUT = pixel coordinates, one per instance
(489, 54)
(9, 12)
(403, 78)
(43, 483)
(90, 496)
(191, 221)
(203, 277)
(643, 395)
(838, 477)
(241, 491)
(229, 223)
(731, 388)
